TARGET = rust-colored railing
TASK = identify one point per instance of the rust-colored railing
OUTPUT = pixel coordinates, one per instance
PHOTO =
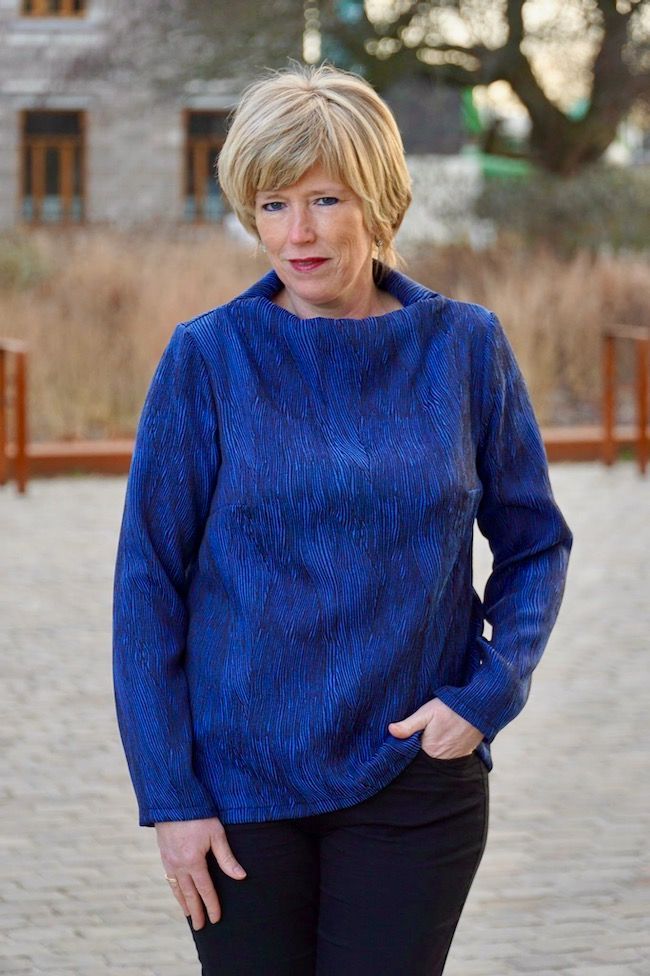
(640, 337)
(13, 393)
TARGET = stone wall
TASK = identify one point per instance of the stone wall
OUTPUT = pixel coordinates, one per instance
(134, 141)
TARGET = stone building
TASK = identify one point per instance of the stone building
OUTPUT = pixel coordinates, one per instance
(74, 149)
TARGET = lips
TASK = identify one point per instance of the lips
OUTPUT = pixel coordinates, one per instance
(307, 264)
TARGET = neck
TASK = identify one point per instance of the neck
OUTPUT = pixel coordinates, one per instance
(375, 301)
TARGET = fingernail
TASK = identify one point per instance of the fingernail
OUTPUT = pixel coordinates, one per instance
(240, 871)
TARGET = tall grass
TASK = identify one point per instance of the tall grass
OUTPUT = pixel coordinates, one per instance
(100, 314)
(97, 306)
(554, 310)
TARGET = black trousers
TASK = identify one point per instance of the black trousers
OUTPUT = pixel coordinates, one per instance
(375, 889)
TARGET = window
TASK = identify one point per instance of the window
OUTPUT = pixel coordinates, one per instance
(52, 166)
(53, 8)
(205, 135)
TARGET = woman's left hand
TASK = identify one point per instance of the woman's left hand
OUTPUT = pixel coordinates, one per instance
(446, 734)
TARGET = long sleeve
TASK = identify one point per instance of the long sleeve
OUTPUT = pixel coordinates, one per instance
(530, 543)
(171, 480)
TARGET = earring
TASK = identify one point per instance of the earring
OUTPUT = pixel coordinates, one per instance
(378, 242)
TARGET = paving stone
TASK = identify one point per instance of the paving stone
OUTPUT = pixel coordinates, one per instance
(594, 970)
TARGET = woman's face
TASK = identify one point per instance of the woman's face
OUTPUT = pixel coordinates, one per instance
(318, 245)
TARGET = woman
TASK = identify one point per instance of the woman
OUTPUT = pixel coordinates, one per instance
(304, 692)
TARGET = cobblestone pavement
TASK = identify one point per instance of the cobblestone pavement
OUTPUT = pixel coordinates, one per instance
(564, 885)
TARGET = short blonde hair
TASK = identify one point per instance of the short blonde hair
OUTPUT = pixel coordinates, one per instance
(293, 118)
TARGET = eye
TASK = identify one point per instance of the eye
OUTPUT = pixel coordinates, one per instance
(329, 201)
(271, 206)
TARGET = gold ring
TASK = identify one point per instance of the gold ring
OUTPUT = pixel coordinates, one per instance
(171, 880)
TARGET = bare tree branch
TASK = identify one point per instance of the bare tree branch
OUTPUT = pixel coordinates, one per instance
(558, 142)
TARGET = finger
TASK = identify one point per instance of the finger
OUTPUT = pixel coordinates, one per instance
(180, 898)
(418, 720)
(193, 900)
(204, 886)
(225, 857)
(175, 888)
(405, 728)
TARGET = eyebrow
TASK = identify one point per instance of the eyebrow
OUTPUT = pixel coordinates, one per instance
(328, 189)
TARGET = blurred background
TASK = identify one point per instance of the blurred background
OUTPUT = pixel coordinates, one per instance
(527, 131)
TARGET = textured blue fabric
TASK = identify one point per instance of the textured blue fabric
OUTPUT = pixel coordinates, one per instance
(294, 567)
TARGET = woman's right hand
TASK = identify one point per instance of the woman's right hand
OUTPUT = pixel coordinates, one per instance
(183, 845)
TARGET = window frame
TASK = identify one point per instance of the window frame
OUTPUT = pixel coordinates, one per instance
(38, 145)
(40, 8)
(199, 146)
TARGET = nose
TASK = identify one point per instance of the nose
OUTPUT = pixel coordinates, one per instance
(301, 228)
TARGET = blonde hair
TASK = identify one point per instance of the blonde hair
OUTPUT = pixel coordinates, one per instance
(296, 117)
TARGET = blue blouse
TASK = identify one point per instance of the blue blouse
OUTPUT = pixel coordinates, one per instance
(294, 566)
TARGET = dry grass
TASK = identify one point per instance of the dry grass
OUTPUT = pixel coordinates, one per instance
(97, 307)
(554, 311)
(101, 313)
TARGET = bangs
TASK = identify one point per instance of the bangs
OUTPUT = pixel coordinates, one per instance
(293, 145)
(285, 161)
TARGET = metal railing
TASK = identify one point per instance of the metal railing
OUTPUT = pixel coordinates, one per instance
(13, 393)
(640, 337)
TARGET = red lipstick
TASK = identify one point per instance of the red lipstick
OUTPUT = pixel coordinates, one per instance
(307, 264)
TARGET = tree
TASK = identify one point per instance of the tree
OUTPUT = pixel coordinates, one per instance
(477, 42)
(164, 45)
